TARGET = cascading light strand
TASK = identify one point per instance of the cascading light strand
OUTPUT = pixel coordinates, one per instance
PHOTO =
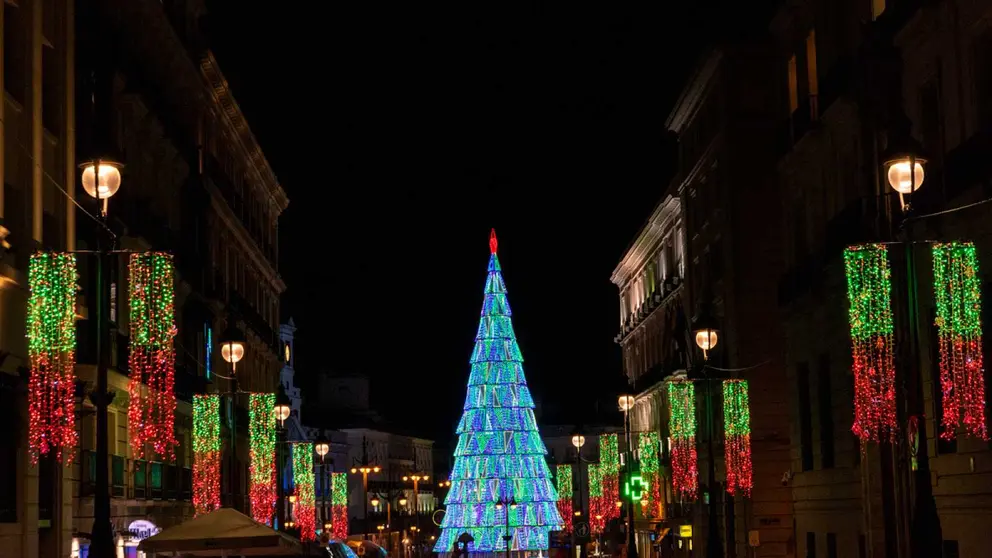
(262, 455)
(957, 291)
(737, 436)
(206, 453)
(682, 425)
(152, 362)
(869, 292)
(51, 332)
(304, 510)
(609, 466)
(339, 506)
(563, 481)
(597, 519)
(647, 449)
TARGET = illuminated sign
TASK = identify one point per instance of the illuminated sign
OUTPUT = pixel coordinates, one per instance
(208, 336)
(142, 529)
(685, 531)
(634, 487)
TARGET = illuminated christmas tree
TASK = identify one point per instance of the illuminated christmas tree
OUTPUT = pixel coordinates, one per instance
(500, 465)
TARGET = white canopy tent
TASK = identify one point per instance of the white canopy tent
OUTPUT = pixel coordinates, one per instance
(225, 533)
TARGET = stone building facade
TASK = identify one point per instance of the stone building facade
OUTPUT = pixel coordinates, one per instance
(195, 184)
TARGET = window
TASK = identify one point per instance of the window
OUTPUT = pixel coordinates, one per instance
(793, 85)
(826, 414)
(9, 406)
(810, 545)
(805, 421)
(951, 549)
(877, 8)
(831, 545)
(811, 75)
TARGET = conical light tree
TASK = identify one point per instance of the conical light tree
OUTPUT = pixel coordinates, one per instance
(500, 465)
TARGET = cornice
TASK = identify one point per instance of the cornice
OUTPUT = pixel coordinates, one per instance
(235, 120)
(694, 93)
(667, 211)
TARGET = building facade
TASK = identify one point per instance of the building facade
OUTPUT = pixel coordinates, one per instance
(853, 75)
(195, 184)
(730, 255)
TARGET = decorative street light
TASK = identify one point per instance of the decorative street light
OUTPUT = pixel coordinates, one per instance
(626, 403)
(500, 504)
(232, 347)
(903, 154)
(101, 180)
(705, 331)
(284, 407)
(365, 468)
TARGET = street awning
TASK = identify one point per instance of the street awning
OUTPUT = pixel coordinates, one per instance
(222, 532)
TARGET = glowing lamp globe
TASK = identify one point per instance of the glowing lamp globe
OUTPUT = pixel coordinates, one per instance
(899, 177)
(626, 402)
(578, 441)
(402, 501)
(232, 346)
(706, 339)
(375, 502)
(321, 447)
(107, 183)
(283, 407)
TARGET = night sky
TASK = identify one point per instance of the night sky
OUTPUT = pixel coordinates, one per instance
(403, 135)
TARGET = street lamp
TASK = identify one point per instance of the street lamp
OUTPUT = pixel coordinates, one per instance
(101, 180)
(416, 478)
(232, 347)
(706, 332)
(365, 468)
(902, 155)
(284, 407)
(500, 504)
(626, 403)
(322, 447)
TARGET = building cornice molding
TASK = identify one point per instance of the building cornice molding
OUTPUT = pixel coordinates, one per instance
(694, 93)
(236, 122)
(666, 212)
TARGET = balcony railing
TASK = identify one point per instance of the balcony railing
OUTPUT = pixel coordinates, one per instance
(137, 479)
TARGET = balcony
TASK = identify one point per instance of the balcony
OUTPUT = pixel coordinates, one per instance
(136, 479)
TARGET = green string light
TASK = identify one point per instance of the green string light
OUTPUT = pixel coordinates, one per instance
(206, 453)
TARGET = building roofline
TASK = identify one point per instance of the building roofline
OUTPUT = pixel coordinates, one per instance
(691, 95)
(259, 165)
(647, 236)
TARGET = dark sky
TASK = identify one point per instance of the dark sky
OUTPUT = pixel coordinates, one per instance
(403, 135)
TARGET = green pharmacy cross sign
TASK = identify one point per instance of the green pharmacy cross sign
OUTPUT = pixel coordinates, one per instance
(634, 487)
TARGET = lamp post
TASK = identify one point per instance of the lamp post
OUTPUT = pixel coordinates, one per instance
(322, 447)
(578, 440)
(925, 532)
(283, 408)
(416, 495)
(232, 350)
(510, 504)
(101, 180)
(365, 468)
(626, 403)
(706, 334)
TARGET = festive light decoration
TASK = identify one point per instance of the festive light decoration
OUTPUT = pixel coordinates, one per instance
(737, 436)
(206, 453)
(957, 290)
(653, 506)
(563, 481)
(597, 515)
(304, 510)
(51, 331)
(682, 424)
(262, 455)
(151, 410)
(869, 292)
(339, 506)
(500, 454)
(609, 468)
